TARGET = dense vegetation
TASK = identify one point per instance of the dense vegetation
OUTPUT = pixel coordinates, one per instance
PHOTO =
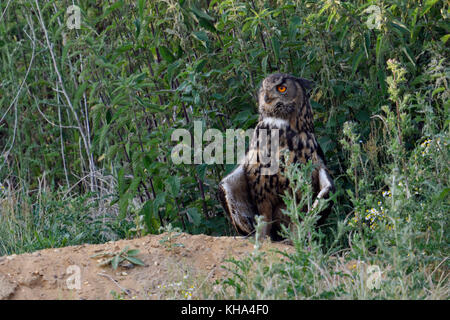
(86, 117)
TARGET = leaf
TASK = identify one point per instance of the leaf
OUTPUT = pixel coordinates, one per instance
(276, 47)
(55, 16)
(445, 38)
(137, 23)
(437, 90)
(200, 65)
(242, 116)
(134, 185)
(246, 26)
(102, 136)
(108, 116)
(201, 36)
(123, 250)
(401, 26)
(171, 70)
(102, 254)
(356, 61)
(408, 55)
(326, 144)
(427, 7)
(115, 262)
(112, 7)
(443, 194)
(132, 252)
(166, 54)
(149, 218)
(382, 80)
(173, 183)
(379, 47)
(207, 25)
(264, 64)
(367, 43)
(123, 206)
(135, 261)
(81, 88)
(194, 216)
(363, 115)
(292, 30)
(122, 183)
(106, 262)
(159, 201)
(141, 4)
(125, 48)
(350, 193)
(201, 170)
(148, 105)
(201, 14)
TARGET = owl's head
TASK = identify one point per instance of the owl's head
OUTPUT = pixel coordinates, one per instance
(282, 95)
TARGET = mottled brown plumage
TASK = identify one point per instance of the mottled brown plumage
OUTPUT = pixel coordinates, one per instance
(254, 187)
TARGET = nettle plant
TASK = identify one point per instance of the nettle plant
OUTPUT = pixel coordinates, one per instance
(401, 222)
(398, 180)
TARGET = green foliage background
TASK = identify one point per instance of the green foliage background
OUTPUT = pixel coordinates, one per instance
(86, 115)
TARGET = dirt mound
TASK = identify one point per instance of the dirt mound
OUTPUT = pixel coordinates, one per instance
(184, 267)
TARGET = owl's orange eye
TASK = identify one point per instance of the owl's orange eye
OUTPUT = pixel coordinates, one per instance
(281, 89)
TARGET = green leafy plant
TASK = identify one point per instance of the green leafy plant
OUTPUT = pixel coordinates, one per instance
(116, 258)
(171, 233)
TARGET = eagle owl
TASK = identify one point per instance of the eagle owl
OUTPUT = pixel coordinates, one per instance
(253, 190)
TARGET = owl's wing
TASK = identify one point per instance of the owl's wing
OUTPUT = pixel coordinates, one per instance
(235, 198)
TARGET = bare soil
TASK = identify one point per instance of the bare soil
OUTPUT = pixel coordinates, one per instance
(186, 268)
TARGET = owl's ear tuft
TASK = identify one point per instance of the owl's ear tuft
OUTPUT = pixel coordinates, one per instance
(306, 84)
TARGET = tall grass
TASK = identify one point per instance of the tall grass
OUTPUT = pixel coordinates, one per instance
(30, 221)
